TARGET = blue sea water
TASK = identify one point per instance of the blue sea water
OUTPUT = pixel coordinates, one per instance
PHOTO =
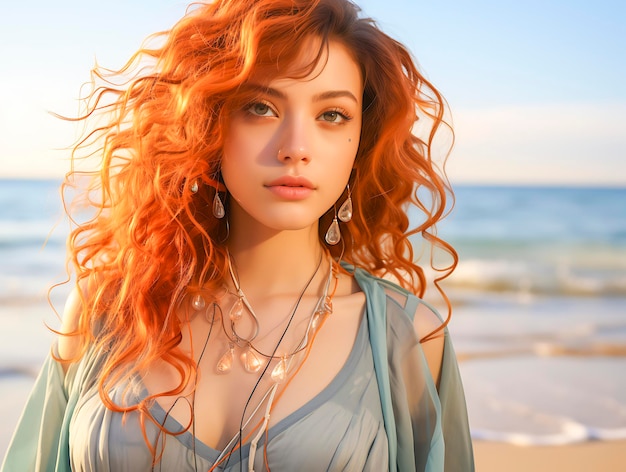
(32, 239)
(567, 241)
(543, 240)
(539, 315)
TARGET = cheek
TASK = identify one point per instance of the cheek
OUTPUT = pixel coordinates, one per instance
(349, 150)
(353, 141)
(342, 165)
(247, 145)
(234, 166)
(239, 150)
(235, 147)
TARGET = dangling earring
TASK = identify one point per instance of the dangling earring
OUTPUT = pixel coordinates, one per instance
(345, 210)
(194, 187)
(218, 206)
(333, 235)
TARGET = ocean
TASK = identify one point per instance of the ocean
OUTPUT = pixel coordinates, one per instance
(539, 317)
(539, 320)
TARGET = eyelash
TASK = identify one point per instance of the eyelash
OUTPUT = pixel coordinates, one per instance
(345, 116)
(248, 108)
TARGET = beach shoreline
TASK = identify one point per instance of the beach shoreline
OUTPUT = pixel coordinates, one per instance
(588, 456)
(527, 373)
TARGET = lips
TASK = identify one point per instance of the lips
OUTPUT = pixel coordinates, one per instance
(291, 181)
(291, 187)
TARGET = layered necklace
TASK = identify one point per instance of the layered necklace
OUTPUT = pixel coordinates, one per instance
(252, 358)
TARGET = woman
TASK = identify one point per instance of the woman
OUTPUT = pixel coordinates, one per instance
(254, 179)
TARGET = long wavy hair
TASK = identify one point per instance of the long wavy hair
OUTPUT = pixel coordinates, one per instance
(159, 125)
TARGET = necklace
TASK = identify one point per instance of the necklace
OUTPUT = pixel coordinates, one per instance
(322, 310)
(285, 366)
(251, 357)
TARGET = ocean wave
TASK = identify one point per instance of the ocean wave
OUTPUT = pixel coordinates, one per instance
(29, 371)
(565, 431)
(569, 432)
(28, 289)
(29, 233)
(526, 400)
(538, 277)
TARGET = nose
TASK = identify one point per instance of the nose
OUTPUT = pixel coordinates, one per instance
(294, 144)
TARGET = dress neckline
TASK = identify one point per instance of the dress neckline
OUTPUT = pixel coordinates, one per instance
(211, 454)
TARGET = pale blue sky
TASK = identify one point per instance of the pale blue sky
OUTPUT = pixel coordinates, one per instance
(536, 87)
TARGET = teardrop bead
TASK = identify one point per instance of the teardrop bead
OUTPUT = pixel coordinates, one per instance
(218, 206)
(211, 316)
(198, 302)
(333, 235)
(194, 187)
(251, 361)
(315, 321)
(345, 211)
(328, 305)
(279, 373)
(236, 310)
(225, 364)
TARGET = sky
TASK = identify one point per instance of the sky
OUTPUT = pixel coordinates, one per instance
(536, 88)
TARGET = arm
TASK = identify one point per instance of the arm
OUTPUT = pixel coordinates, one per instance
(68, 345)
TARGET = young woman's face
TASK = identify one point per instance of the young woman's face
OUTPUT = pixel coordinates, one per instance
(288, 154)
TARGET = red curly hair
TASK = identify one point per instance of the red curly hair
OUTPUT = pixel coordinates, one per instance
(151, 239)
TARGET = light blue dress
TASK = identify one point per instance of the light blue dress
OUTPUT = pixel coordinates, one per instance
(381, 412)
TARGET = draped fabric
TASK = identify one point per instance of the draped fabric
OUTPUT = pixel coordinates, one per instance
(427, 427)
(413, 425)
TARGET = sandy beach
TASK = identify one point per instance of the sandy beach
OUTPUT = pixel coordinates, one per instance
(601, 456)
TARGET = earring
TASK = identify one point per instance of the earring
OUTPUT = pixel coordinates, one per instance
(218, 206)
(345, 210)
(333, 235)
(194, 187)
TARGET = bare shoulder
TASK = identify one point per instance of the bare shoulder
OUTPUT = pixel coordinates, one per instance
(68, 345)
(426, 321)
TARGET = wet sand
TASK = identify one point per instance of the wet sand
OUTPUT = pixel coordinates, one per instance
(605, 456)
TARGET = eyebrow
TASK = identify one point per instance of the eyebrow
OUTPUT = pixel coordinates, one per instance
(272, 92)
(334, 94)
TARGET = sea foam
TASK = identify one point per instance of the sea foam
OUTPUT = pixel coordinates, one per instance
(546, 401)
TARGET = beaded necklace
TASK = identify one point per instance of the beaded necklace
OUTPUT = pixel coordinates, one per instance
(288, 364)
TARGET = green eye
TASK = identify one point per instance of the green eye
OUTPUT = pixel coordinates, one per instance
(335, 117)
(260, 109)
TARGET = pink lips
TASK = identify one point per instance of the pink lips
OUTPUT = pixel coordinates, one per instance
(291, 187)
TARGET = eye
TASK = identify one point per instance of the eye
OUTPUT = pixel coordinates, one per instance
(260, 109)
(335, 116)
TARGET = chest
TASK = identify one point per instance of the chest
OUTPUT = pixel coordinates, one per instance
(218, 406)
(340, 428)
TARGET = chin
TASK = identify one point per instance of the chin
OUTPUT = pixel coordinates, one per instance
(291, 224)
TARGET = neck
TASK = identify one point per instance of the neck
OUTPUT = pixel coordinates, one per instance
(273, 262)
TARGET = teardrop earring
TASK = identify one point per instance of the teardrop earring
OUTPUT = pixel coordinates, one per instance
(218, 206)
(345, 210)
(333, 235)
(194, 187)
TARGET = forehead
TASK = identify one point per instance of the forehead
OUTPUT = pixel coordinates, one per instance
(314, 63)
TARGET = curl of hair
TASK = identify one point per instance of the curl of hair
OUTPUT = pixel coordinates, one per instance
(151, 240)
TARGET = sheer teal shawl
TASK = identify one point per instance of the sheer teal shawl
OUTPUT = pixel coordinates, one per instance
(427, 428)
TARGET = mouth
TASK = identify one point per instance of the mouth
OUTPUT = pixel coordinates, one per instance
(291, 188)
(292, 182)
